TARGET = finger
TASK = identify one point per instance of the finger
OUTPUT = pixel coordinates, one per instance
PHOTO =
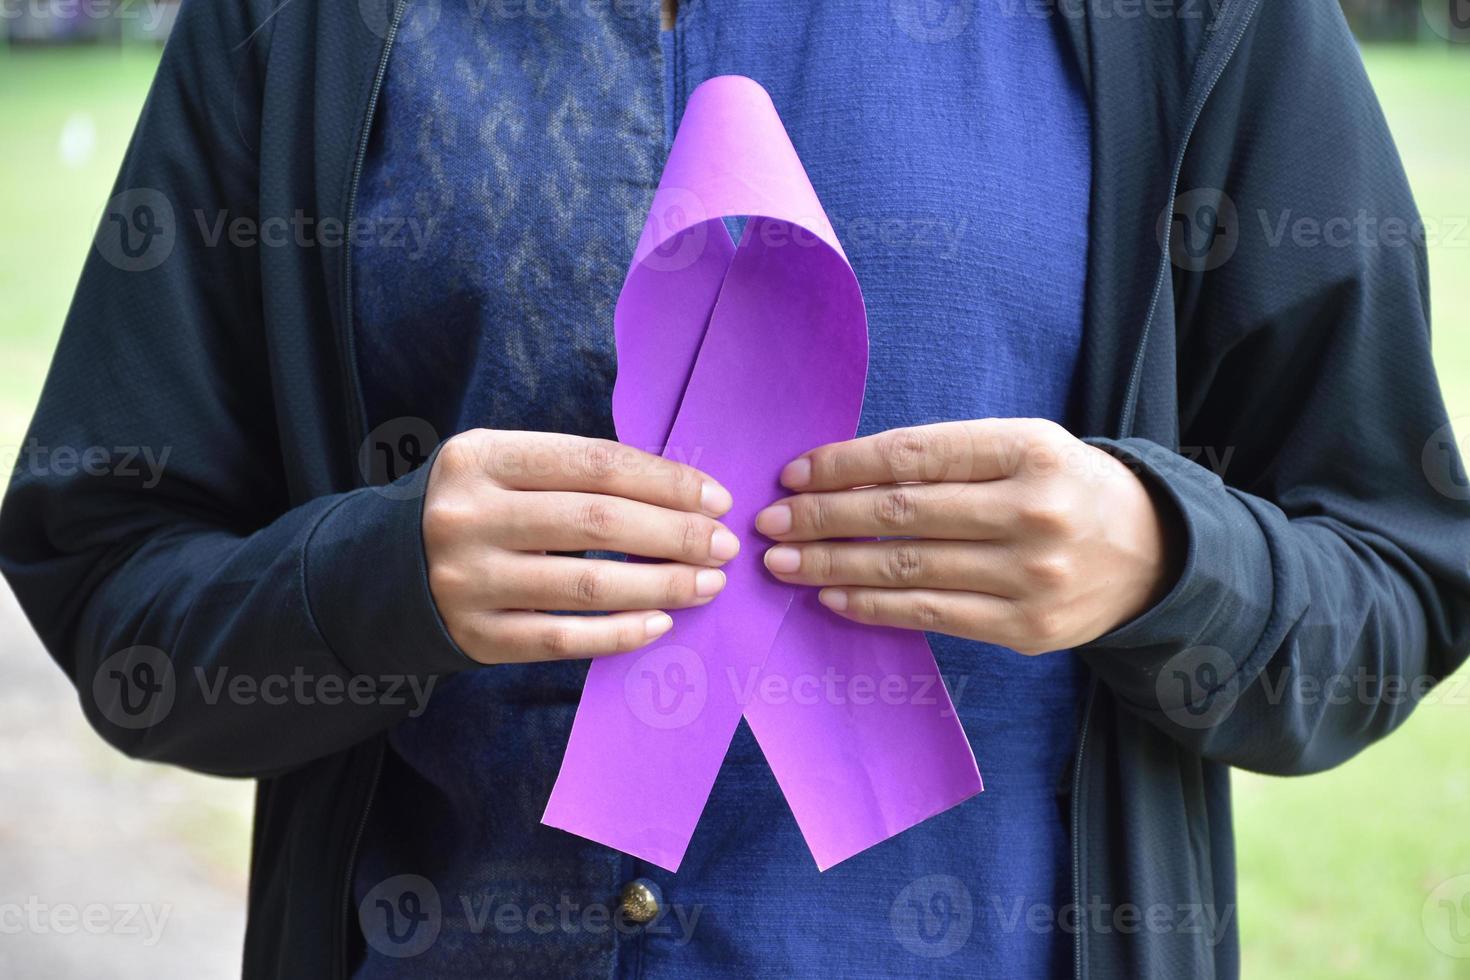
(557, 521)
(528, 637)
(905, 564)
(955, 452)
(972, 615)
(958, 511)
(552, 582)
(554, 461)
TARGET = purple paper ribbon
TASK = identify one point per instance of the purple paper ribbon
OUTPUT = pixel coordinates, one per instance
(736, 360)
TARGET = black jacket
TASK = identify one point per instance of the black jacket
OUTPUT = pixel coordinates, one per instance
(1335, 546)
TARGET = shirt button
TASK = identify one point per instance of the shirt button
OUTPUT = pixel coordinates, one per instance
(638, 902)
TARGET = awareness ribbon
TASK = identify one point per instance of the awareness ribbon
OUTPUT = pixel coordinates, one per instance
(737, 360)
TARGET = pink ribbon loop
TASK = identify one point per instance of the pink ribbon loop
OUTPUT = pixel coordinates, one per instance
(737, 360)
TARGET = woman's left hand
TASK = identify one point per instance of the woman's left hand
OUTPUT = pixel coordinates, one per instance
(1010, 531)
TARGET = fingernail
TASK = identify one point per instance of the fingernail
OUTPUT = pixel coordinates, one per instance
(723, 545)
(783, 559)
(774, 520)
(834, 599)
(797, 473)
(708, 581)
(714, 499)
(657, 625)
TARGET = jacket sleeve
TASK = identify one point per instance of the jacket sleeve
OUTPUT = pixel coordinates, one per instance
(1319, 488)
(147, 530)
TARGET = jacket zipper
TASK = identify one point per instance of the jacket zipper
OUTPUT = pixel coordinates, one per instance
(352, 865)
(1125, 429)
(1135, 375)
(1077, 826)
(356, 418)
(357, 428)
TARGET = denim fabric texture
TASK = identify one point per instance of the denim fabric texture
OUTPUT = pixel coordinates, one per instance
(516, 148)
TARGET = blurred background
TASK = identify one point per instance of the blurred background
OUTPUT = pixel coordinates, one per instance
(1360, 872)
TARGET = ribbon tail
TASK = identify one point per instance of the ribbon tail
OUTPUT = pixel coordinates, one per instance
(859, 729)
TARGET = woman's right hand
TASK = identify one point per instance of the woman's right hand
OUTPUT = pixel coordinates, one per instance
(497, 502)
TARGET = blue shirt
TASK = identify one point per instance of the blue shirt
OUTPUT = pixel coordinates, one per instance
(952, 155)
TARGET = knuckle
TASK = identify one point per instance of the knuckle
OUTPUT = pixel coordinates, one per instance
(473, 451)
(475, 636)
(929, 614)
(685, 484)
(694, 537)
(824, 466)
(629, 636)
(905, 449)
(833, 467)
(1048, 432)
(865, 605)
(1049, 570)
(822, 561)
(811, 512)
(679, 586)
(1047, 513)
(1030, 428)
(598, 521)
(445, 522)
(557, 642)
(452, 455)
(447, 585)
(896, 509)
(456, 462)
(1045, 445)
(599, 459)
(1044, 625)
(1025, 647)
(467, 442)
(587, 587)
(903, 564)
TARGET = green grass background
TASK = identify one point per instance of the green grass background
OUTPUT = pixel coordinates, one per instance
(1334, 869)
